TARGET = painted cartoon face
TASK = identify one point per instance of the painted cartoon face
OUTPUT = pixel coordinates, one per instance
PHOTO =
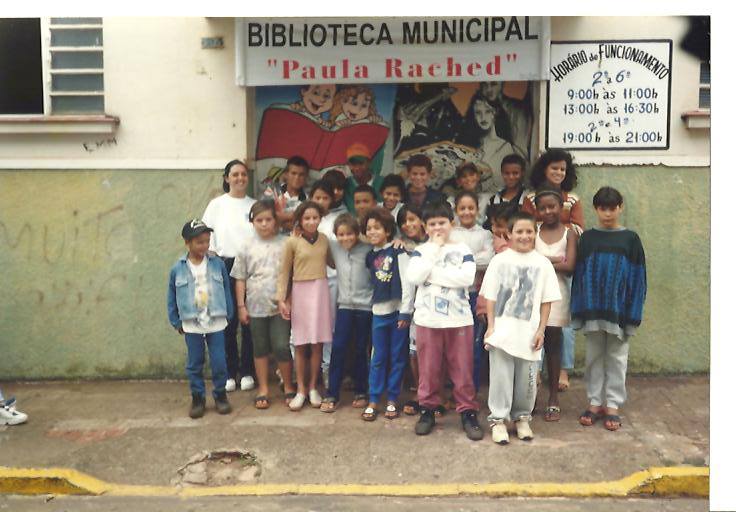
(511, 174)
(413, 227)
(318, 98)
(522, 236)
(469, 181)
(549, 207)
(310, 221)
(357, 107)
(199, 245)
(467, 211)
(491, 90)
(265, 224)
(484, 114)
(376, 233)
(237, 178)
(322, 198)
(555, 172)
(391, 197)
(346, 237)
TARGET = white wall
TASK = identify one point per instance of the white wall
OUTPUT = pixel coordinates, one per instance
(688, 147)
(179, 106)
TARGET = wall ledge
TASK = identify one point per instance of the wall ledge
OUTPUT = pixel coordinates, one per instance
(24, 124)
(696, 119)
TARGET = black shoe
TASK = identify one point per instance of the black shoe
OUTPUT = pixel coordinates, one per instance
(426, 422)
(197, 409)
(471, 426)
(221, 404)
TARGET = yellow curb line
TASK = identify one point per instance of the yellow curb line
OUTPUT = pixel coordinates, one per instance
(673, 481)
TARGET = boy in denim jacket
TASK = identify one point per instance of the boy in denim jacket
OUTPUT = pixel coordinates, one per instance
(199, 305)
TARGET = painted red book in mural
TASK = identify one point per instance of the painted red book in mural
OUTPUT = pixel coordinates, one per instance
(285, 133)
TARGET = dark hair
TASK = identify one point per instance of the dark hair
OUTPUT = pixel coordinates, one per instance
(554, 155)
(607, 197)
(366, 188)
(404, 212)
(228, 166)
(512, 159)
(466, 193)
(394, 180)
(437, 209)
(336, 179)
(547, 189)
(419, 160)
(348, 220)
(261, 206)
(297, 161)
(383, 217)
(303, 207)
(520, 215)
(325, 187)
(500, 212)
(465, 168)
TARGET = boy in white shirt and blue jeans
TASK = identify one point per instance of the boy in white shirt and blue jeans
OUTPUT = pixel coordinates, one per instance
(519, 287)
(199, 306)
(443, 271)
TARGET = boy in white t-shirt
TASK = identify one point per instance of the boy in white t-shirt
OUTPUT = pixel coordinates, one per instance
(519, 286)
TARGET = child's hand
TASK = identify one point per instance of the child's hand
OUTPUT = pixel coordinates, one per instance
(403, 324)
(482, 317)
(487, 346)
(296, 231)
(398, 244)
(180, 330)
(243, 315)
(439, 239)
(285, 309)
(538, 340)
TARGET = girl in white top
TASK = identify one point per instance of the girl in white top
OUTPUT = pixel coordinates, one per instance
(559, 244)
(228, 216)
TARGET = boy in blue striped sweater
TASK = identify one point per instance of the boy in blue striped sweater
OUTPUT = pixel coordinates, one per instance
(608, 292)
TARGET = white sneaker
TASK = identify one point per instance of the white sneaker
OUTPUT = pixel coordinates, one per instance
(247, 383)
(499, 434)
(523, 431)
(315, 399)
(10, 416)
(230, 385)
(297, 402)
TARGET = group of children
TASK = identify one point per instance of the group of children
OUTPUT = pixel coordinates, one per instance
(422, 280)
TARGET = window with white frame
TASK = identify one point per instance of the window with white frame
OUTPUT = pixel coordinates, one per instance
(51, 66)
(704, 99)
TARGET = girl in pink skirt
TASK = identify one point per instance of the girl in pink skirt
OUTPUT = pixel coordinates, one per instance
(304, 298)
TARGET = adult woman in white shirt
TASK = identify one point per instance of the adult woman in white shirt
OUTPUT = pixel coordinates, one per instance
(228, 215)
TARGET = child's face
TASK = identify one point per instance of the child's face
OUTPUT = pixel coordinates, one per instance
(296, 177)
(357, 107)
(522, 236)
(413, 227)
(339, 195)
(265, 224)
(237, 178)
(511, 174)
(439, 227)
(376, 233)
(360, 169)
(467, 211)
(363, 202)
(549, 209)
(609, 216)
(499, 227)
(346, 237)
(391, 197)
(310, 221)
(322, 198)
(469, 181)
(419, 177)
(198, 245)
(318, 98)
(555, 172)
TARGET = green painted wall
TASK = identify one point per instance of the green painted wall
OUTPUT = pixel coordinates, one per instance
(85, 258)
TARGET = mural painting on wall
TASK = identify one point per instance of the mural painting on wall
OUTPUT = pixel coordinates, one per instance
(450, 123)
(470, 121)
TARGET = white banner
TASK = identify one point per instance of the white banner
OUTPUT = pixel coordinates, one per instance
(294, 51)
(609, 95)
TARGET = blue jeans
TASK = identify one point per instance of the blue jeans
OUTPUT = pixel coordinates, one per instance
(389, 357)
(479, 329)
(349, 323)
(195, 361)
(568, 348)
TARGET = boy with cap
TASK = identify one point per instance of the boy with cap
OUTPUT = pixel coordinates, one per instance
(359, 162)
(199, 306)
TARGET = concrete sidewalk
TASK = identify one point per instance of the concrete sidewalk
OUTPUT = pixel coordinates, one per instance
(139, 433)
